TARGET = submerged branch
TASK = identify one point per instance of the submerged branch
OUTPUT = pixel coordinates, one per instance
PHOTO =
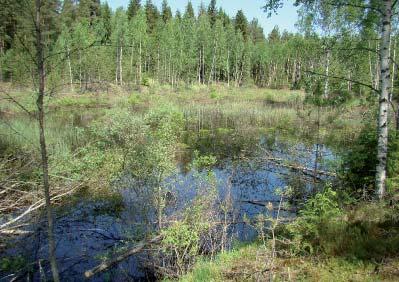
(111, 262)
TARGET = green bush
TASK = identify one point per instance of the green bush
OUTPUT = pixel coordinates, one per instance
(319, 219)
(135, 99)
(360, 160)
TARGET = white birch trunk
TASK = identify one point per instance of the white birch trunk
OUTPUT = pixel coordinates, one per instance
(382, 150)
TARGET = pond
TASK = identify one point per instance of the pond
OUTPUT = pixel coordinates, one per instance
(251, 166)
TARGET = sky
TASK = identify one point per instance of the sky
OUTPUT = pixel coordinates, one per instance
(286, 18)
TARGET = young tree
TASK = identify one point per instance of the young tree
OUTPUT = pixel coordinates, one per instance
(119, 40)
(41, 82)
(138, 39)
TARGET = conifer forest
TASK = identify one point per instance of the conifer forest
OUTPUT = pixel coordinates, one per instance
(214, 140)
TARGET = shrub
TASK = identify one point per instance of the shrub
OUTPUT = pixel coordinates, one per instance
(359, 163)
(319, 219)
(134, 99)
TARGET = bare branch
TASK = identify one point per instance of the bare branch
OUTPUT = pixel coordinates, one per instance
(345, 79)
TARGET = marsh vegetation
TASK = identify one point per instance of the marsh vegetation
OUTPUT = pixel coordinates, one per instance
(199, 149)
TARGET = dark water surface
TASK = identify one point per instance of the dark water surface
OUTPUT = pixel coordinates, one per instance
(89, 230)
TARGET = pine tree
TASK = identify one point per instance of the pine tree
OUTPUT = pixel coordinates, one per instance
(133, 8)
(166, 11)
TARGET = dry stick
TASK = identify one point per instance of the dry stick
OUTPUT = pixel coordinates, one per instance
(34, 207)
(279, 162)
(109, 263)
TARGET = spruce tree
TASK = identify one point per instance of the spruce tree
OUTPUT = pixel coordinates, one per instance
(212, 12)
(132, 9)
(152, 15)
(241, 24)
(178, 15)
(106, 15)
(166, 11)
(189, 13)
(256, 31)
(89, 10)
(223, 17)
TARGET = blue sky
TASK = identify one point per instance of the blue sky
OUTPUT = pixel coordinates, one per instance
(285, 19)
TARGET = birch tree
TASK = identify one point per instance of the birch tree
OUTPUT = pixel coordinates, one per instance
(355, 11)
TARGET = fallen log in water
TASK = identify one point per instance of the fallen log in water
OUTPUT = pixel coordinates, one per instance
(111, 262)
(308, 171)
(265, 204)
(11, 232)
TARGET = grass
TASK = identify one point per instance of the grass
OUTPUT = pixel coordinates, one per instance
(365, 249)
(240, 109)
(246, 263)
(23, 133)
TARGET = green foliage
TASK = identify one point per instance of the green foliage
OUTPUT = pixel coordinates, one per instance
(182, 239)
(14, 263)
(135, 99)
(318, 220)
(214, 95)
(323, 228)
(359, 162)
(203, 162)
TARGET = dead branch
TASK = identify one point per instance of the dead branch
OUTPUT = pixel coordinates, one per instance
(306, 170)
(109, 263)
(35, 207)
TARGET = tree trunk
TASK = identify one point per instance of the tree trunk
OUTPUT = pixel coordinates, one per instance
(1, 58)
(328, 54)
(70, 68)
(228, 67)
(199, 67)
(382, 150)
(393, 70)
(213, 64)
(377, 67)
(117, 66)
(131, 60)
(120, 66)
(140, 62)
(43, 150)
(80, 70)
